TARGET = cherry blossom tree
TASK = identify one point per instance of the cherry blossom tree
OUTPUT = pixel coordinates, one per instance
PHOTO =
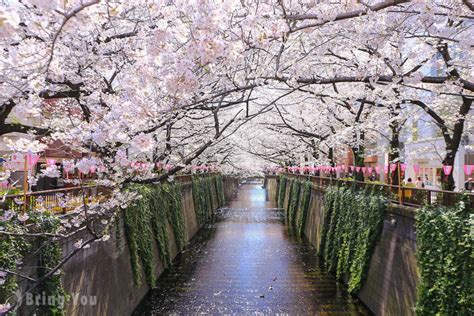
(172, 83)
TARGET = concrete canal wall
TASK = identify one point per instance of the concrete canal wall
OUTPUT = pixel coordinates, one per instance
(102, 276)
(391, 283)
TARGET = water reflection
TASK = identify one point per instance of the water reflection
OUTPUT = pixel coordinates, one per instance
(247, 262)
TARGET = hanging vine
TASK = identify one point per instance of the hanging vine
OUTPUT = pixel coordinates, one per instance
(220, 190)
(305, 199)
(50, 254)
(205, 195)
(137, 220)
(14, 249)
(445, 256)
(353, 223)
(174, 202)
(293, 202)
(282, 191)
(146, 223)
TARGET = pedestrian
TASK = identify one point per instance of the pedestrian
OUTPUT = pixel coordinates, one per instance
(419, 184)
(468, 185)
(407, 192)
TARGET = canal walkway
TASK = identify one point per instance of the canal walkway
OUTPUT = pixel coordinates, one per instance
(247, 262)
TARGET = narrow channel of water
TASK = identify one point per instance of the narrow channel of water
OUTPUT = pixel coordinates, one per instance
(246, 262)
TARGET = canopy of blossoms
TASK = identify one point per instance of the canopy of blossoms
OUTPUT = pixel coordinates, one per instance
(144, 89)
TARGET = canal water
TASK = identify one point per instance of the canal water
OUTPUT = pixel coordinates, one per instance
(247, 262)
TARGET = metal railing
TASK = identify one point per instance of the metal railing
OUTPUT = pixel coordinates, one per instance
(57, 200)
(67, 199)
(404, 195)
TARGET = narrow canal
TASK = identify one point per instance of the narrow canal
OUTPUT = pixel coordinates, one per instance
(248, 263)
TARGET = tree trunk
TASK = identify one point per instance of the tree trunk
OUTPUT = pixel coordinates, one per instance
(358, 153)
(452, 144)
(394, 152)
(447, 182)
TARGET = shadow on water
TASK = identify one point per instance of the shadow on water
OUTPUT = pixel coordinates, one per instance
(247, 262)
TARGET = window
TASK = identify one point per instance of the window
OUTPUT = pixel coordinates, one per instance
(427, 175)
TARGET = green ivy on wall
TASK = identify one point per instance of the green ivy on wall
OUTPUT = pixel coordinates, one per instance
(11, 251)
(293, 203)
(145, 223)
(138, 231)
(305, 200)
(220, 190)
(353, 223)
(199, 200)
(445, 238)
(14, 249)
(206, 192)
(282, 191)
(50, 254)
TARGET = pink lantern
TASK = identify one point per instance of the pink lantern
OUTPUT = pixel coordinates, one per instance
(447, 170)
(32, 159)
(416, 168)
(364, 169)
(4, 184)
(358, 169)
(351, 168)
(403, 166)
(393, 167)
(377, 169)
(370, 170)
(468, 169)
(385, 169)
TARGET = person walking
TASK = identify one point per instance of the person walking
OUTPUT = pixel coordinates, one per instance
(468, 185)
(419, 184)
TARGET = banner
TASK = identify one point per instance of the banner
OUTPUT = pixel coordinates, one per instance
(447, 170)
(468, 169)
(416, 168)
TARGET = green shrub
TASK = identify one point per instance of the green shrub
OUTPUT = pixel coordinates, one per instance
(282, 191)
(146, 222)
(352, 225)
(445, 254)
